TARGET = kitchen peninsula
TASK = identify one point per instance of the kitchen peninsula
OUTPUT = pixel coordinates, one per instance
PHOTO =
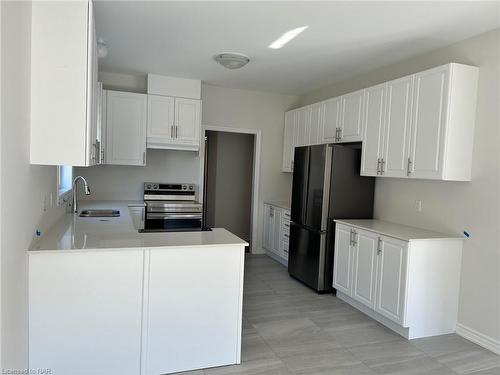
(106, 299)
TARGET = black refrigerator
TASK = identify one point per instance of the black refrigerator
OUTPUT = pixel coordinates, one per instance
(326, 185)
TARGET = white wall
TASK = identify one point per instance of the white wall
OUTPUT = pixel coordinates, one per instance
(254, 110)
(119, 182)
(450, 206)
(23, 187)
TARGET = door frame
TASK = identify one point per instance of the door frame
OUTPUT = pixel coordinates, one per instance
(254, 211)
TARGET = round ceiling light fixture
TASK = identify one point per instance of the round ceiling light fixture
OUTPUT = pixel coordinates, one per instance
(232, 60)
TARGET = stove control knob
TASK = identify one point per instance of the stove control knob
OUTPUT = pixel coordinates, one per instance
(184, 187)
(190, 188)
(148, 186)
(155, 186)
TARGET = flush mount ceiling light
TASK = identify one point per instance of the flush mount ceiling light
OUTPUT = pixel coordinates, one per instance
(286, 37)
(232, 60)
(102, 48)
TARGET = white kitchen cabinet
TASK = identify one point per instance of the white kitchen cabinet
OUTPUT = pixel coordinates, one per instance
(85, 312)
(160, 120)
(374, 117)
(342, 261)
(391, 271)
(406, 278)
(351, 124)
(63, 83)
(187, 123)
(442, 133)
(267, 230)
(276, 231)
(316, 127)
(332, 117)
(173, 123)
(428, 125)
(288, 141)
(397, 128)
(175, 339)
(126, 115)
(365, 246)
(303, 126)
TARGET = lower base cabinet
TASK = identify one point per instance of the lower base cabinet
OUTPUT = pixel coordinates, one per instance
(276, 232)
(411, 285)
(85, 311)
(135, 312)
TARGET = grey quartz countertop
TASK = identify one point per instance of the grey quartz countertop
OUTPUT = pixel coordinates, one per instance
(72, 232)
(399, 231)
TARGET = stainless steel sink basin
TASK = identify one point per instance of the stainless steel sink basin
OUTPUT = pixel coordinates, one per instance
(100, 213)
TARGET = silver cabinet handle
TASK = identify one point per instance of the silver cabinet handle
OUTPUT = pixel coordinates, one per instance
(378, 166)
(379, 246)
(354, 240)
(340, 134)
(382, 165)
(176, 131)
(144, 158)
(350, 237)
(286, 235)
(171, 131)
(408, 169)
(292, 166)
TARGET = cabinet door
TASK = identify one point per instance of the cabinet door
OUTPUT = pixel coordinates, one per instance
(397, 127)
(352, 114)
(392, 279)
(303, 126)
(92, 91)
(277, 231)
(316, 131)
(429, 119)
(85, 312)
(374, 114)
(288, 138)
(126, 128)
(331, 120)
(365, 267)
(160, 119)
(192, 309)
(187, 121)
(266, 230)
(342, 260)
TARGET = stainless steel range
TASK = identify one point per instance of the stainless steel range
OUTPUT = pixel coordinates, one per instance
(171, 207)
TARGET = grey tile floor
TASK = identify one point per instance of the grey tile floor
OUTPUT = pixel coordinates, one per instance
(289, 329)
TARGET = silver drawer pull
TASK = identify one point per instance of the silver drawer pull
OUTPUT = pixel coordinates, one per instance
(165, 216)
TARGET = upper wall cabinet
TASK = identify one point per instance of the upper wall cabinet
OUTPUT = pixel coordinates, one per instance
(173, 123)
(126, 128)
(422, 126)
(63, 84)
(351, 126)
(419, 126)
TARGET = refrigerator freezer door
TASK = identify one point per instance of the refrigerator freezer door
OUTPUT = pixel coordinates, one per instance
(299, 184)
(307, 256)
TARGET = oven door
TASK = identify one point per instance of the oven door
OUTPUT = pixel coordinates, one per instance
(172, 221)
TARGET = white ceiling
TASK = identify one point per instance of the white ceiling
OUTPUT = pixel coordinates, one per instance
(343, 39)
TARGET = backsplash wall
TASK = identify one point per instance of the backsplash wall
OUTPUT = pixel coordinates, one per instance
(117, 182)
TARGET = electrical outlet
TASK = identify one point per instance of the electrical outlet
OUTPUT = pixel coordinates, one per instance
(418, 205)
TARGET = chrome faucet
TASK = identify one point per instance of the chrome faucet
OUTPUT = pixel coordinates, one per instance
(87, 191)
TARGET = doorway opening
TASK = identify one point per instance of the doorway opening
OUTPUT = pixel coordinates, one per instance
(229, 181)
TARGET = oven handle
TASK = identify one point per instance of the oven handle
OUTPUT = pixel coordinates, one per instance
(166, 216)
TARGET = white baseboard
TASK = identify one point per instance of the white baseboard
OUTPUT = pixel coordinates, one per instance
(478, 338)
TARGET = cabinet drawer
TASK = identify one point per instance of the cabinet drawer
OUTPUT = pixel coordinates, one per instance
(286, 226)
